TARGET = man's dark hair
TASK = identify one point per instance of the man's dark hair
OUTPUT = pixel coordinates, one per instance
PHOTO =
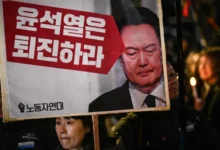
(171, 61)
(139, 15)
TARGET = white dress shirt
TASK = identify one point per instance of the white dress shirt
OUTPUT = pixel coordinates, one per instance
(138, 97)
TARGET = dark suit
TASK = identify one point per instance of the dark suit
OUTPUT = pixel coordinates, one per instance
(206, 123)
(213, 110)
(154, 125)
(88, 146)
(117, 99)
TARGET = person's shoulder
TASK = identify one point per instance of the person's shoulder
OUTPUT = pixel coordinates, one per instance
(111, 93)
(216, 99)
(89, 146)
(59, 147)
(105, 100)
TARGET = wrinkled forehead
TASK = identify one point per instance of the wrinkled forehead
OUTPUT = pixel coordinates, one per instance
(139, 28)
(139, 34)
(205, 59)
(64, 118)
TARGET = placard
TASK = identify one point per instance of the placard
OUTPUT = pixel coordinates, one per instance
(69, 62)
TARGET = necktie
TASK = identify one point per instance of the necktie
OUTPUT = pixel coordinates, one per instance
(150, 101)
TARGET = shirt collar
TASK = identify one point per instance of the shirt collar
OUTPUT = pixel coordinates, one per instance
(136, 96)
(158, 92)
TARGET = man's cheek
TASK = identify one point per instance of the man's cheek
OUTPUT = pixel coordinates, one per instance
(158, 67)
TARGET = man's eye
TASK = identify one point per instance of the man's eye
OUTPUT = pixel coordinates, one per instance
(57, 122)
(150, 50)
(69, 122)
(131, 54)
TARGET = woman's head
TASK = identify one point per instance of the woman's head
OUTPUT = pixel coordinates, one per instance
(72, 131)
(209, 66)
(191, 63)
(172, 74)
(173, 81)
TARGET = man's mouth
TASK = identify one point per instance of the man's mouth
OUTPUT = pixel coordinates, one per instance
(144, 73)
(203, 72)
(65, 138)
(173, 89)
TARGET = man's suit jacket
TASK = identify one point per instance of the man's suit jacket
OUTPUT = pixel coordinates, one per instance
(213, 112)
(117, 99)
(156, 125)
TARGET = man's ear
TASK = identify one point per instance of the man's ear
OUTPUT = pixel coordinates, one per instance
(120, 60)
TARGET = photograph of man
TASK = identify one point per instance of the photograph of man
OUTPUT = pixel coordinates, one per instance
(74, 133)
(141, 62)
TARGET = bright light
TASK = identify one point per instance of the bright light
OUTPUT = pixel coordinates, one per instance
(192, 81)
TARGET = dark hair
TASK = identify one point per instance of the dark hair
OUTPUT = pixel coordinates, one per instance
(214, 56)
(139, 15)
(170, 60)
(86, 120)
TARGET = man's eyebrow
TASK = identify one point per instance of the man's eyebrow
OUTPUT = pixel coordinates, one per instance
(68, 118)
(130, 47)
(150, 45)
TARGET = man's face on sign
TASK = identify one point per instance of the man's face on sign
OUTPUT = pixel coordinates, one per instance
(141, 59)
(71, 132)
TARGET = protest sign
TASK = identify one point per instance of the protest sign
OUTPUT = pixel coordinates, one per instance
(62, 62)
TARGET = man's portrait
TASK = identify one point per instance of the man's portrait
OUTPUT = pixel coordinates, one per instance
(141, 62)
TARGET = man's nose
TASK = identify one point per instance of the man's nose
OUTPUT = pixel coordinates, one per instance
(172, 81)
(62, 128)
(201, 66)
(143, 59)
